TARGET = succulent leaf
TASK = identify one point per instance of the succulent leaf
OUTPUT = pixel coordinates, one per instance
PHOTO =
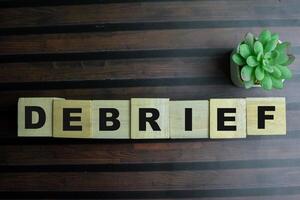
(275, 36)
(276, 72)
(249, 39)
(259, 57)
(266, 83)
(245, 51)
(268, 55)
(258, 47)
(265, 62)
(282, 58)
(286, 72)
(277, 83)
(246, 73)
(271, 45)
(259, 73)
(249, 84)
(238, 59)
(265, 36)
(274, 54)
(251, 61)
(282, 47)
(268, 68)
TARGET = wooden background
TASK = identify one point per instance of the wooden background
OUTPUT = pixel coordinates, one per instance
(101, 49)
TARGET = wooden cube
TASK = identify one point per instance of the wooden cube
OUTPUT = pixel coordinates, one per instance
(189, 119)
(111, 119)
(227, 118)
(35, 117)
(72, 119)
(149, 118)
(266, 116)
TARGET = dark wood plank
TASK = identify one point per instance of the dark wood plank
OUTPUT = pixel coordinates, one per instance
(285, 197)
(174, 91)
(150, 12)
(288, 193)
(126, 69)
(151, 181)
(133, 152)
(219, 38)
(114, 69)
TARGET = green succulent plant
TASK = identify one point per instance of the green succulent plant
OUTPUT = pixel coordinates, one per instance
(263, 60)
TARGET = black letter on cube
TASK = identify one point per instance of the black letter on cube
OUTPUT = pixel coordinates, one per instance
(221, 119)
(262, 117)
(67, 119)
(28, 117)
(151, 120)
(104, 119)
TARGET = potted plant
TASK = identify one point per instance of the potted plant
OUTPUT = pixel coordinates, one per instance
(261, 62)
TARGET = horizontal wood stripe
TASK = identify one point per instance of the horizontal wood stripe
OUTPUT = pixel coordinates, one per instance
(151, 11)
(286, 197)
(114, 83)
(152, 82)
(223, 38)
(116, 55)
(235, 194)
(180, 92)
(115, 69)
(111, 27)
(151, 181)
(153, 167)
(124, 152)
(288, 193)
(156, 68)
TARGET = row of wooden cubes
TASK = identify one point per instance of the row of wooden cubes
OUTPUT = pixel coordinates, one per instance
(214, 118)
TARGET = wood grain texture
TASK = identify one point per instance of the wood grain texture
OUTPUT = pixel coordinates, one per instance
(190, 151)
(207, 38)
(152, 181)
(149, 11)
(115, 69)
(104, 50)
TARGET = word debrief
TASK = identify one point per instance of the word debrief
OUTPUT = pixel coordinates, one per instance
(151, 118)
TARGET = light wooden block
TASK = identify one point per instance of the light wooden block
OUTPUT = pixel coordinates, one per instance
(162, 106)
(198, 128)
(239, 117)
(82, 119)
(275, 126)
(121, 113)
(34, 106)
